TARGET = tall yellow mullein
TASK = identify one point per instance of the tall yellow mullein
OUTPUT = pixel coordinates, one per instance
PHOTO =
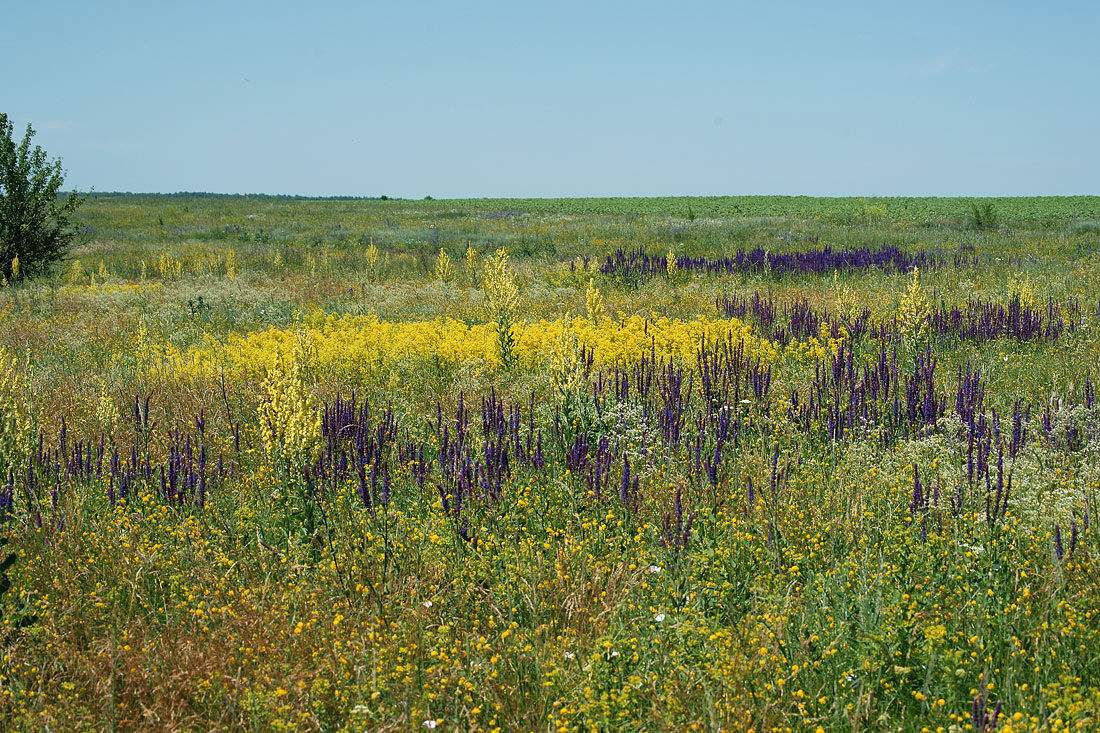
(444, 270)
(593, 300)
(15, 422)
(1023, 289)
(75, 275)
(471, 264)
(568, 370)
(501, 290)
(230, 265)
(502, 295)
(914, 310)
(846, 302)
(290, 421)
(671, 264)
(372, 260)
(107, 414)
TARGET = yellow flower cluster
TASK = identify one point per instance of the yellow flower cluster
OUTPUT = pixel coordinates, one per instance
(914, 310)
(15, 424)
(500, 286)
(1023, 289)
(847, 303)
(816, 348)
(372, 261)
(671, 265)
(628, 338)
(593, 300)
(353, 344)
(471, 264)
(75, 274)
(169, 266)
(290, 421)
(444, 270)
(111, 288)
(196, 259)
(107, 414)
(568, 370)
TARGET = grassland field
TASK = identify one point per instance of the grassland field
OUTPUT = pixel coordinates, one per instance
(736, 463)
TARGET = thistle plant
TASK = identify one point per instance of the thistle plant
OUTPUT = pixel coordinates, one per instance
(502, 294)
(914, 311)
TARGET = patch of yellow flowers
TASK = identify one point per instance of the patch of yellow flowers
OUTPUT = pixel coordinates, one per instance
(355, 344)
(1023, 289)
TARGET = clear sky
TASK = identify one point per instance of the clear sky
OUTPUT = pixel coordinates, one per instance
(472, 99)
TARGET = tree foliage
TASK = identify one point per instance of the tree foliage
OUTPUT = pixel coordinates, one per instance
(34, 219)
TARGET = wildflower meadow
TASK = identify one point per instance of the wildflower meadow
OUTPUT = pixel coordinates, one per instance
(757, 463)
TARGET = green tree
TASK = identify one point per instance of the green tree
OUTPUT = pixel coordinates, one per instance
(34, 219)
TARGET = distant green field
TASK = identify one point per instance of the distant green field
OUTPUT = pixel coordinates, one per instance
(840, 210)
(1031, 208)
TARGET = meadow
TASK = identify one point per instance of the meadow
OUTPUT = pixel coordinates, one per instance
(741, 463)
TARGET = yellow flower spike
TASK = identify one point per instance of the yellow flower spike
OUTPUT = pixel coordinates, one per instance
(444, 270)
(914, 310)
(471, 263)
(291, 424)
(16, 436)
(372, 261)
(594, 302)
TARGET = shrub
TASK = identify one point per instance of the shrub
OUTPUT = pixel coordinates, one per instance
(983, 216)
(34, 221)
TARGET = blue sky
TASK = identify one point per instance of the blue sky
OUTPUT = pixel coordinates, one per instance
(561, 99)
